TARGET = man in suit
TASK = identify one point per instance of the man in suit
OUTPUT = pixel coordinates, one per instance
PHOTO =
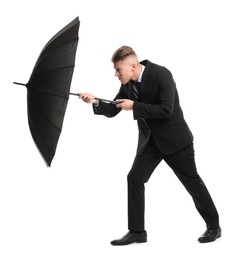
(149, 91)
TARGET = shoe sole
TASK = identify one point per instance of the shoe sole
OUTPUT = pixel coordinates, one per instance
(142, 240)
(218, 236)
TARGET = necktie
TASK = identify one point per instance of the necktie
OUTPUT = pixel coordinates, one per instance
(136, 89)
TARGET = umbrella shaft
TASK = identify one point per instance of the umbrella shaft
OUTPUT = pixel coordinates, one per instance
(100, 99)
(74, 94)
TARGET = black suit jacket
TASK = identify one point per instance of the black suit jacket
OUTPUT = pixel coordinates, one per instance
(158, 112)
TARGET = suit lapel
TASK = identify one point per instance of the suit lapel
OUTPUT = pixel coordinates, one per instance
(144, 83)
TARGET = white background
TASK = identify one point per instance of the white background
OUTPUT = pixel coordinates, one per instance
(75, 208)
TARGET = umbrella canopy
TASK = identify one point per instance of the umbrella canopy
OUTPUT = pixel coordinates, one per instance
(48, 89)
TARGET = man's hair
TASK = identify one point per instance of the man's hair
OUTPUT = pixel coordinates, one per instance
(122, 53)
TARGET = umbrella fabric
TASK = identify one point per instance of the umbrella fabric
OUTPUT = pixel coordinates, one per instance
(48, 89)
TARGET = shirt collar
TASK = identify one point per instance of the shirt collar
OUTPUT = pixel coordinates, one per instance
(142, 70)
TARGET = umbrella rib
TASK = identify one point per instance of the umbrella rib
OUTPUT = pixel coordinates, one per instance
(44, 91)
(47, 92)
(64, 67)
(48, 45)
(52, 69)
(41, 58)
(29, 118)
(46, 117)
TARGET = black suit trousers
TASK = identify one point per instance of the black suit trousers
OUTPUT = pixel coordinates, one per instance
(183, 165)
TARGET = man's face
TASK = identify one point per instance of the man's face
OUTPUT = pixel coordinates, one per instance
(124, 70)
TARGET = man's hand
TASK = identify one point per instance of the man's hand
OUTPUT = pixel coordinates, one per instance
(88, 98)
(126, 104)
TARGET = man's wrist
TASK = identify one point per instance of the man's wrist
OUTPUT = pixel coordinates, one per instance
(96, 103)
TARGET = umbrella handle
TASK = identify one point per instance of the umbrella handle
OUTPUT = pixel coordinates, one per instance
(100, 99)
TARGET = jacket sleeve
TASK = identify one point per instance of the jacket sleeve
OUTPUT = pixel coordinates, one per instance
(163, 92)
(107, 109)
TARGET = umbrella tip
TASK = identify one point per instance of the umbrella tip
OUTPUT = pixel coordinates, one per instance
(17, 83)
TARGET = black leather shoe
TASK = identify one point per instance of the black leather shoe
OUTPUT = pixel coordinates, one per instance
(210, 235)
(131, 237)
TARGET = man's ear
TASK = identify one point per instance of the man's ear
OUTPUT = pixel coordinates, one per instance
(133, 66)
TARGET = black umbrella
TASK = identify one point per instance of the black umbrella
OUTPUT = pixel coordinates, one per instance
(48, 89)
